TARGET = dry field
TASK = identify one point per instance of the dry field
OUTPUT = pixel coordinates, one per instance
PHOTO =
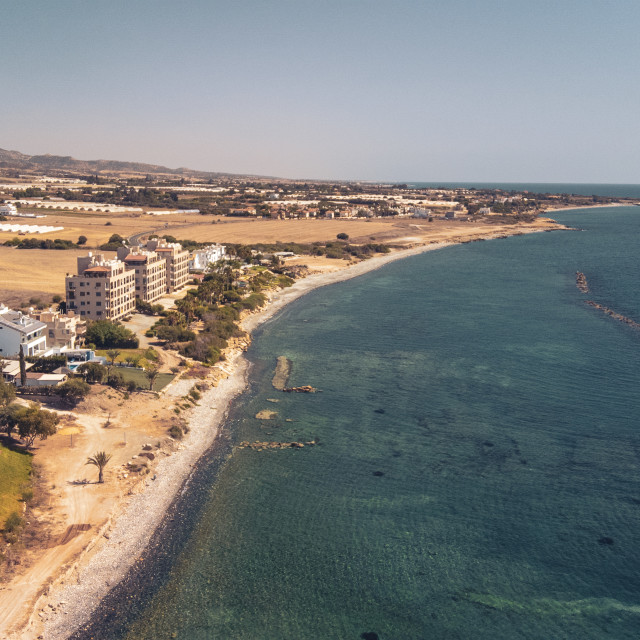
(26, 273)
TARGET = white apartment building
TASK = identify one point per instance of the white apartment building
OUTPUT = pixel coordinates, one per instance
(63, 330)
(102, 290)
(177, 262)
(201, 258)
(150, 272)
(17, 328)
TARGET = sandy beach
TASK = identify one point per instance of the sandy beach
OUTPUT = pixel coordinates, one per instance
(76, 590)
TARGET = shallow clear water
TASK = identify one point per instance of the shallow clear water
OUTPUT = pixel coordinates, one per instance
(479, 468)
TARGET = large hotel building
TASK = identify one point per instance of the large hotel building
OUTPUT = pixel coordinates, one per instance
(103, 289)
(107, 289)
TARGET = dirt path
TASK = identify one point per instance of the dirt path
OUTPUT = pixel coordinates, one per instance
(81, 509)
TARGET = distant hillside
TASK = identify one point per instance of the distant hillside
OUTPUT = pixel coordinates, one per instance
(50, 163)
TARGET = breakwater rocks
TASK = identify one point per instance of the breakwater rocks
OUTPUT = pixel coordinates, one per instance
(303, 389)
(266, 446)
(282, 373)
(616, 316)
(581, 282)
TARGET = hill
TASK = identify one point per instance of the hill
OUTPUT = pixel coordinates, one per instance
(51, 163)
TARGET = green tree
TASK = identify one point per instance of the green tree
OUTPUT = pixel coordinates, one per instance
(93, 372)
(23, 368)
(73, 391)
(100, 460)
(9, 417)
(105, 334)
(7, 393)
(82, 240)
(34, 422)
(112, 354)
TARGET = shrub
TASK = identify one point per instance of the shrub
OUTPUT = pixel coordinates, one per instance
(73, 391)
(342, 236)
(105, 334)
(93, 372)
(176, 432)
(12, 527)
(46, 364)
(174, 334)
(150, 354)
(115, 380)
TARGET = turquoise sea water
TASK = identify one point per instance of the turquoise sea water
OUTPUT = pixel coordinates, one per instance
(479, 468)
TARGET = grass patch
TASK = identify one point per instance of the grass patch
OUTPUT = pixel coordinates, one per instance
(141, 379)
(125, 353)
(15, 475)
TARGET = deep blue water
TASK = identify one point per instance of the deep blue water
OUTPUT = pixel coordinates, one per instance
(583, 189)
(479, 468)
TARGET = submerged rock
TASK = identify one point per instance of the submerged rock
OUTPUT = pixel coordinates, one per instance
(266, 414)
(282, 373)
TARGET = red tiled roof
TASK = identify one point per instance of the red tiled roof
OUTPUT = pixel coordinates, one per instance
(135, 258)
(97, 270)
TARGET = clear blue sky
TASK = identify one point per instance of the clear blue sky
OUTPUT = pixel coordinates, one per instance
(544, 90)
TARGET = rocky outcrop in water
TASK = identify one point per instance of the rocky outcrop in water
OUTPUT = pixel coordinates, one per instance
(614, 315)
(581, 282)
(303, 389)
(264, 446)
(282, 373)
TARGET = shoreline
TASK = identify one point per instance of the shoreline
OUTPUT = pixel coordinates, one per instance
(72, 598)
(589, 206)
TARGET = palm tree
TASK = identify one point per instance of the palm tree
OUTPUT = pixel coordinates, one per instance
(112, 354)
(99, 460)
(152, 374)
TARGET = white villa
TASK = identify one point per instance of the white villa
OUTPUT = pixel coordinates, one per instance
(201, 258)
(18, 329)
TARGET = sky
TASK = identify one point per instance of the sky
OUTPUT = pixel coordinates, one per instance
(402, 90)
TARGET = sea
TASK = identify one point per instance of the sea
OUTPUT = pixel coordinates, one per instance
(477, 472)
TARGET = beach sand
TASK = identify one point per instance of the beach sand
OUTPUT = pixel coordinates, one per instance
(70, 599)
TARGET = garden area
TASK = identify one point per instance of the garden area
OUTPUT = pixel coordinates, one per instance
(15, 482)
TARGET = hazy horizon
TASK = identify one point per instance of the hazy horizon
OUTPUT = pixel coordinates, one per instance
(354, 90)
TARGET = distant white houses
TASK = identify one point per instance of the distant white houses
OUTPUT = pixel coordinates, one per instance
(17, 328)
(168, 212)
(8, 209)
(28, 228)
(201, 258)
(419, 212)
